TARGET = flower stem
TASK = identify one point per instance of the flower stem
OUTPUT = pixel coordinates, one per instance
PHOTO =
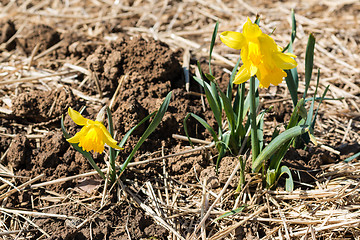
(112, 154)
(112, 165)
(242, 175)
(254, 138)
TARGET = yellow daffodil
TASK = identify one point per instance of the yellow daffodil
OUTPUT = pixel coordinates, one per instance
(260, 55)
(93, 135)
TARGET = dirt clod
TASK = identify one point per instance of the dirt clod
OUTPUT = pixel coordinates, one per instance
(7, 31)
(38, 107)
(42, 35)
(19, 152)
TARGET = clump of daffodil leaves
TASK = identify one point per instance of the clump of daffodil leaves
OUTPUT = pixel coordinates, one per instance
(264, 63)
(94, 135)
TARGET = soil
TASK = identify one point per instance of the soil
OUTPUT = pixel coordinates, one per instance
(152, 70)
(149, 79)
(37, 106)
(42, 35)
(7, 31)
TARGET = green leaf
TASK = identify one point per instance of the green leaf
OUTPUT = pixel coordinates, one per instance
(240, 105)
(302, 111)
(212, 87)
(260, 129)
(270, 178)
(255, 147)
(273, 176)
(239, 135)
(298, 111)
(311, 109)
(275, 133)
(231, 117)
(209, 77)
(151, 128)
(317, 110)
(214, 105)
(247, 99)
(202, 82)
(277, 158)
(292, 79)
(232, 76)
(239, 100)
(238, 108)
(202, 122)
(199, 68)
(214, 90)
(112, 153)
(289, 183)
(232, 212)
(292, 86)
(213, 39)
(275, 144)
(110, 121)
(242, 175)
(127, 135)
(310, 112)
(352, 157)
(87, 155)
(309, 62)
(211, 97)
(325, 98)
(257, 20)
(279, 155)
(293, 32)
(293, 26)
(295, 76)
(223, 147)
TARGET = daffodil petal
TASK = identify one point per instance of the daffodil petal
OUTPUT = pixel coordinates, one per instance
(76, 117)
(107, 137)
(284, 61)
(291, 55)
(233, 40)
(267, 44)
(251, 30)
(253, 70)
(262, 86)
(74, 139)
(242, 76)
(78, 135)
(269, 76)
(113, 145)
(260, 54)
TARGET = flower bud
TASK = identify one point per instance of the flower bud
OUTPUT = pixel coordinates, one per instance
(101, 115)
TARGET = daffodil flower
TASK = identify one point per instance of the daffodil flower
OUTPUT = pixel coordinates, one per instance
(260, 55)
(93, 135)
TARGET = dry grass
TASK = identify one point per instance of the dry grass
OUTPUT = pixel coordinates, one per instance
(331, 206)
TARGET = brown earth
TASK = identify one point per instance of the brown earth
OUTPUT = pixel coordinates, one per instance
(7, 31)
(140, 95)
(152, 70)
